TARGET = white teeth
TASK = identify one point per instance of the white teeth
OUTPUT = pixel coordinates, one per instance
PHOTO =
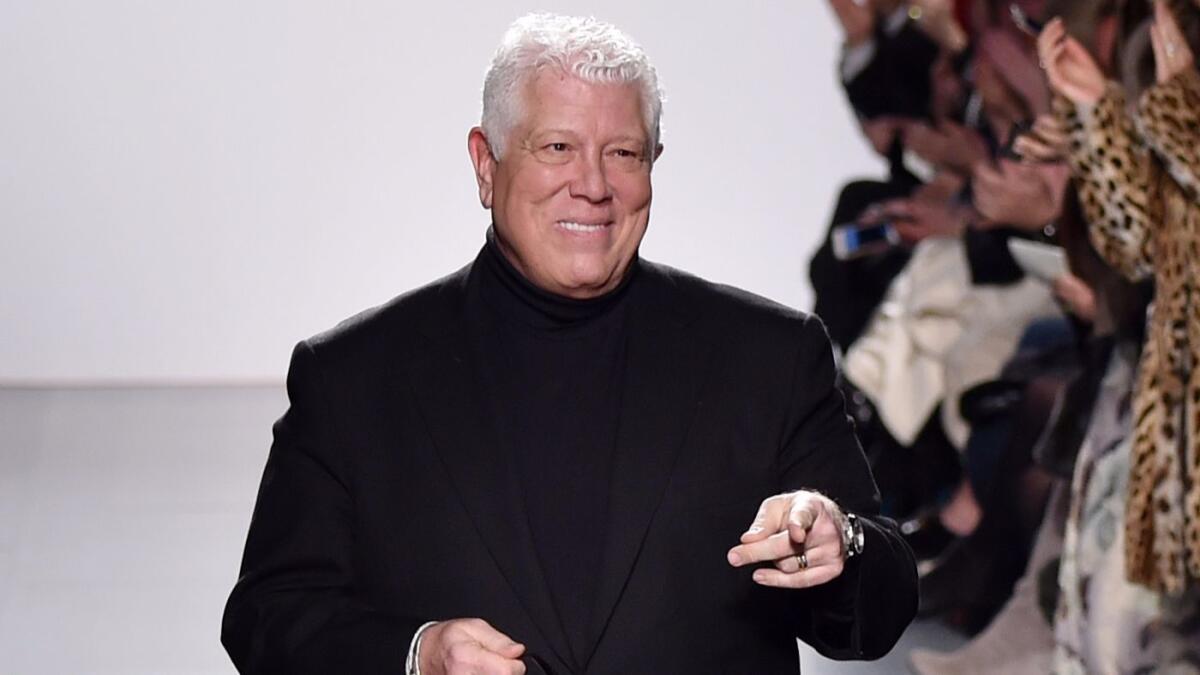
(579, 227)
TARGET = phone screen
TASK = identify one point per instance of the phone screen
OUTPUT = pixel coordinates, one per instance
(853, 240)
(867, 235)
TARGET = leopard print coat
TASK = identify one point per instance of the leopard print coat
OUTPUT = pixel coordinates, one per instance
(1138, 175)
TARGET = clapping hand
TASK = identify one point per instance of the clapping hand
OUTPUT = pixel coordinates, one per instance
(1046, 142)
(1072, 71)
(949, 145)
(857, 18)
(937, 20)
(1017, 194)
(1172, 55)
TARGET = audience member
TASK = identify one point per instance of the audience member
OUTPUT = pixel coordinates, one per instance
(1117, 450)
(1131, 558)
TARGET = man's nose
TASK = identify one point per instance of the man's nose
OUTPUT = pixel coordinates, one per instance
(590, 181)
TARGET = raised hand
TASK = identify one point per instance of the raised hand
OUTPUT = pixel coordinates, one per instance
(1172, 55)
(1071, 70)
(857, 18)
(937, 20)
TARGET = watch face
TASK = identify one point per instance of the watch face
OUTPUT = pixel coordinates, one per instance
(854, 536)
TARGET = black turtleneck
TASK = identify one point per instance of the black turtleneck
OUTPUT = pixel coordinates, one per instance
(556, 368)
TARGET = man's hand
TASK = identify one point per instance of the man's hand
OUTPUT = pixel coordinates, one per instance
(469, 647)
(1069, 67)
(798, 533)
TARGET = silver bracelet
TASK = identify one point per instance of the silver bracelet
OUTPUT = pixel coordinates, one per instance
(412, 663)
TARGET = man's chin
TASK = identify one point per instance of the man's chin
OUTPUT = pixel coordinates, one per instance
(584, 286)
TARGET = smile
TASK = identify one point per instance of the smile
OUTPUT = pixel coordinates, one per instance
(582, 227)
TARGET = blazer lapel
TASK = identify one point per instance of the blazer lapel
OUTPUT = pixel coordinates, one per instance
(447, 380)
(665, 369)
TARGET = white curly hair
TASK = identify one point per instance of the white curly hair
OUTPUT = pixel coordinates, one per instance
(591, 50)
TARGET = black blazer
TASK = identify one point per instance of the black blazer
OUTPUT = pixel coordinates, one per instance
(383, 505)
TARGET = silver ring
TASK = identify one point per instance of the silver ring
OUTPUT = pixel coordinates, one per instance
(1169, 48)
(802, 560)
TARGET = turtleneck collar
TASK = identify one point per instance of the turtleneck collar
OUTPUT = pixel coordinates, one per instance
(517, 299)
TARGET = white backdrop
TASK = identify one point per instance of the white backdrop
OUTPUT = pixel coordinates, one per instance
(188, 188)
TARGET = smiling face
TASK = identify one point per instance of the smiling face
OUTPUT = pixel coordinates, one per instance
(570, 198)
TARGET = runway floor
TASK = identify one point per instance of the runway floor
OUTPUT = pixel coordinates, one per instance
(122, 518)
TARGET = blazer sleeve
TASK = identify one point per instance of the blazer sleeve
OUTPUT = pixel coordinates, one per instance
(862, 613)
(1111, 167)
(294, 608)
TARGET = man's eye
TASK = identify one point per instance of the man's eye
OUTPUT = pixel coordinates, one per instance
(627, 157)
(557, 147)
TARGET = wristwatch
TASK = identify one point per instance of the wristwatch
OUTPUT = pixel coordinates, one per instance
(852, 536)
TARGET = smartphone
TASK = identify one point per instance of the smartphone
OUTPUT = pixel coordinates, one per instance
(1024, 24)
(854, 240)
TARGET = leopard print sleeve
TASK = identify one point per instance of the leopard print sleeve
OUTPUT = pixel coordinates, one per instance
(1111, 167)
(1169, 121)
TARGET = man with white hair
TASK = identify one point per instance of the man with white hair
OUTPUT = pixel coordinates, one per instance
(550, 460)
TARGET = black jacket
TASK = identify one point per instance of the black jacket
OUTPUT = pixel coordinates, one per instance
(383, 504)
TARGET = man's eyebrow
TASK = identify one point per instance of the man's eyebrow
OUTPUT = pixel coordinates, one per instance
(640, 140)
(551, 130)
(633, 138)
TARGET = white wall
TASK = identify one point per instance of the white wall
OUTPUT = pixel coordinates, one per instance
(187, 188)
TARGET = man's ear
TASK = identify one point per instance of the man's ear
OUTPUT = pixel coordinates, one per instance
(484, 163)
